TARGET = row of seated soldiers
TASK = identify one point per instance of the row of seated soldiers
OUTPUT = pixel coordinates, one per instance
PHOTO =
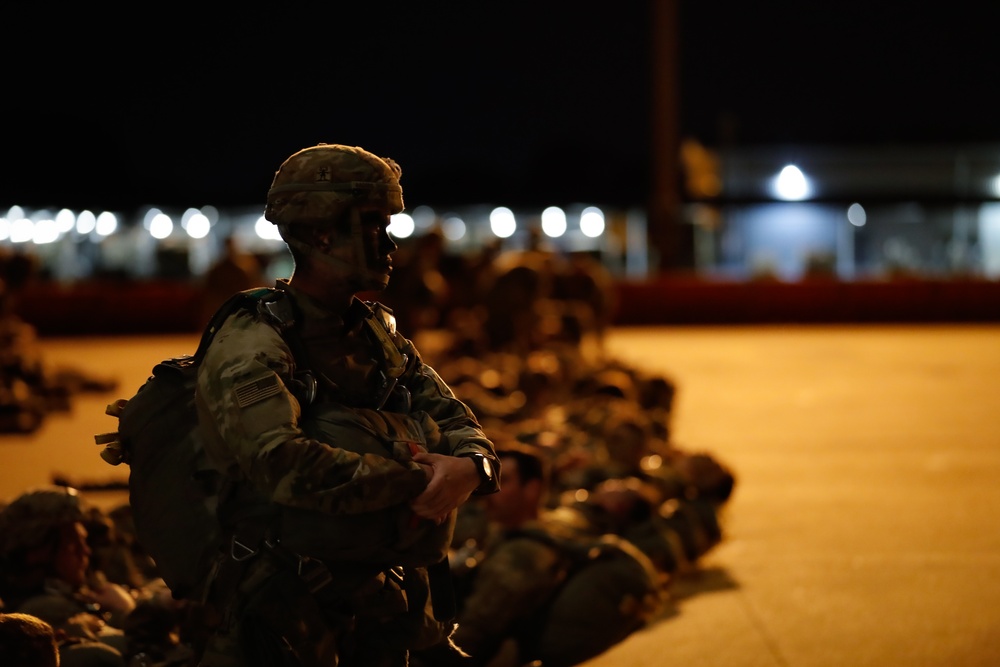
(600, 510)
(576, 548)
(600, 513)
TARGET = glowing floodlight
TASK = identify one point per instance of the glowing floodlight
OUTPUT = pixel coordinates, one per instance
(502, 222)
(791, 184)
(554, 222)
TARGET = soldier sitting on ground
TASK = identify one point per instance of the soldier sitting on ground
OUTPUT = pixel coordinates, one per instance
(545, 590)
(46, 572)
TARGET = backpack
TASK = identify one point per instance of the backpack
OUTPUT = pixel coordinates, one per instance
(158, 439)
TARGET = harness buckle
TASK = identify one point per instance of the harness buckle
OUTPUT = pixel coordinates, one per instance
(240, 552)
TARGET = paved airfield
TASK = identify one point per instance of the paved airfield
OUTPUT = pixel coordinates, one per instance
(863, 529)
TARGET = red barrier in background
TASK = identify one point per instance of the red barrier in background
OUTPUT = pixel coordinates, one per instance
(96, 308)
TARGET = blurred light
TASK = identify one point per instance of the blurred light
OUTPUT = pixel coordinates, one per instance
(45, 230)
(502, 222)
(147, 219)
(791, 184)
(554, 221)
(106, 224)
(401, 225)
(85, 222)
(15, 213)
(65, 220)
(453, 228)
(424, 217)
(266, 230)
(4, 229)
(211, 213)
(21, 230)
(592, 221)
(197, 225)
(994, 186)
(856, 215)
(651, 462)
(160, 226)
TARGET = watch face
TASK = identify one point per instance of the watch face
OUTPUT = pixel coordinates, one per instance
(486, 466)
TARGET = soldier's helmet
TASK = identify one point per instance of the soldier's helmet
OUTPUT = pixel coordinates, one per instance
(316, 184)
(29, 519)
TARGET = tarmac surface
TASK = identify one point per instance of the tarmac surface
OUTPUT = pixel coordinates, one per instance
(863, 528)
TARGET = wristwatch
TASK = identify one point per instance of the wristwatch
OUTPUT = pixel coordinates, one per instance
(487, 469)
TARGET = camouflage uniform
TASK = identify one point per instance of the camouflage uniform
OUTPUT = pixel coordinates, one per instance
(344, 501)
(560, 593)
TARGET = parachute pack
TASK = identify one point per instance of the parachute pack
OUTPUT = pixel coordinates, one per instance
(608, 590)
(172, 490)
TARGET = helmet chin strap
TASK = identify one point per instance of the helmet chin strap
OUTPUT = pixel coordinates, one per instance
(355, 268)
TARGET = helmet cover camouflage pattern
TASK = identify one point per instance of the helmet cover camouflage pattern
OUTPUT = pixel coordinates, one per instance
(26, 521)
(316, 184)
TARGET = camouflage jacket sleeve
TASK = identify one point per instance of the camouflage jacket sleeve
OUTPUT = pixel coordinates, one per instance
(461, 432)
(250, 420)
(514, 582)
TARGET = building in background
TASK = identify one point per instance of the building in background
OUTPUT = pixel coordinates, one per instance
(849, 213)
(785, 213)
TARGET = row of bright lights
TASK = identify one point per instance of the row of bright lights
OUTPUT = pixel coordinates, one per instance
(17, 227)
(503, 223)
(789, 185)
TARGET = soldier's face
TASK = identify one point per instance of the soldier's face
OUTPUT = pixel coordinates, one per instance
(367, 248)
(377, 244)
(361, 248)
(73, 554)
(509, 505)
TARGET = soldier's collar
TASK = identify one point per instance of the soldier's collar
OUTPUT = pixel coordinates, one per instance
(356, 313)
(316, 317)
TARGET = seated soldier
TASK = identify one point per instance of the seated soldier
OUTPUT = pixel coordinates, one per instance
(548, 590)
(45, 562)
(43, 546)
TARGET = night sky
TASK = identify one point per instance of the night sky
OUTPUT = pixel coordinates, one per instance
(523, 103)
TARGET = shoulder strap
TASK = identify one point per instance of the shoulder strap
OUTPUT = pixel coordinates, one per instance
(382, 324)
(275, 307)
(236, 302)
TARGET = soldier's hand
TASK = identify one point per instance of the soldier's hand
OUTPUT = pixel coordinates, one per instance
(113, 597)
(452, 481)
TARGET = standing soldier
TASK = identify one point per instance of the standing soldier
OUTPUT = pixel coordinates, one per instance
(345, 456)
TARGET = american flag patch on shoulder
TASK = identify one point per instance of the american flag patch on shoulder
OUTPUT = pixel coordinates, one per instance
(257, 390)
